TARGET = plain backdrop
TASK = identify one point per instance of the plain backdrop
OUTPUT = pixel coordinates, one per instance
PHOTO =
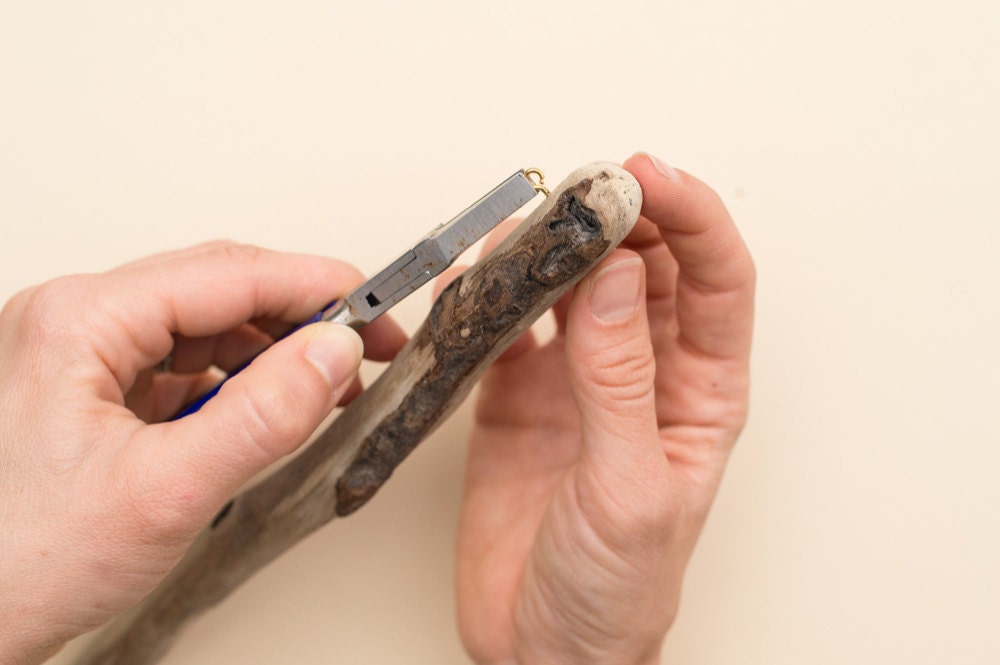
(855, 143)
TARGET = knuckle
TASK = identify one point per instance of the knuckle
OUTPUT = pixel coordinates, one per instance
(43, 309)
(216, 244)
(238, 252)
(271, 421)
(624, 374)
(15, 306)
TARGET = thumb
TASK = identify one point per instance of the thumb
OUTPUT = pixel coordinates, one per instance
(612, 369)
(261, 414)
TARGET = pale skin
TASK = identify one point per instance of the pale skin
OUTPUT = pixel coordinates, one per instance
(592, 466)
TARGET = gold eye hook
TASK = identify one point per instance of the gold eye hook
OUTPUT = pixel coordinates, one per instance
(538, 181)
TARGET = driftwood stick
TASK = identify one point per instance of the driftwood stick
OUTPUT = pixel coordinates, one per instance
(474, 320)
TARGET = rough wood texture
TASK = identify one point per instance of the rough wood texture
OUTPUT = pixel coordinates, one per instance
(474, 320)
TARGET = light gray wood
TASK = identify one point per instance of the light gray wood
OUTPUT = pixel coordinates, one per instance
(474, 320)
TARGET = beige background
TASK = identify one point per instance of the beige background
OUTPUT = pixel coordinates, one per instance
(855, 142)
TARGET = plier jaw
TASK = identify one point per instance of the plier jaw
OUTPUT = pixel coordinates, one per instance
(435, 252)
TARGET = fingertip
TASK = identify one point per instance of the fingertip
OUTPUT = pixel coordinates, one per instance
(612, 291)
(715, 272)
(673, 199)
(335, 351)
(615, 290)
(646, 165)
(606, 320)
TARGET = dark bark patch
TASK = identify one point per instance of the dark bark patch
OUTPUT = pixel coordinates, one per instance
(463, 329)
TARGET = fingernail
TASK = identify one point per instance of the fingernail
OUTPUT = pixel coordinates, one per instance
(614, 295)
(335, 351)
(667, 171)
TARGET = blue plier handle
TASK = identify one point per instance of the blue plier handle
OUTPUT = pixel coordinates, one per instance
(200, 401)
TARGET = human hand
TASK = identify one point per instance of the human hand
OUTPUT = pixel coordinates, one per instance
(596, 456)
(96, 505)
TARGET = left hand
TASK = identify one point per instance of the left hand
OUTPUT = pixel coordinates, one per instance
(596, 456)
(97, 505)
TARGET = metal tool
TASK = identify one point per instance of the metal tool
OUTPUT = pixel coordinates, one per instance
(435, 252)
(428, 258)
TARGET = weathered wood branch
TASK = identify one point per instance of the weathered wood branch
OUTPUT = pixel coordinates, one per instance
(474, 320)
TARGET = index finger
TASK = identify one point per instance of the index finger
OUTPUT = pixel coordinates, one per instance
(716, 278)
(204, 294)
